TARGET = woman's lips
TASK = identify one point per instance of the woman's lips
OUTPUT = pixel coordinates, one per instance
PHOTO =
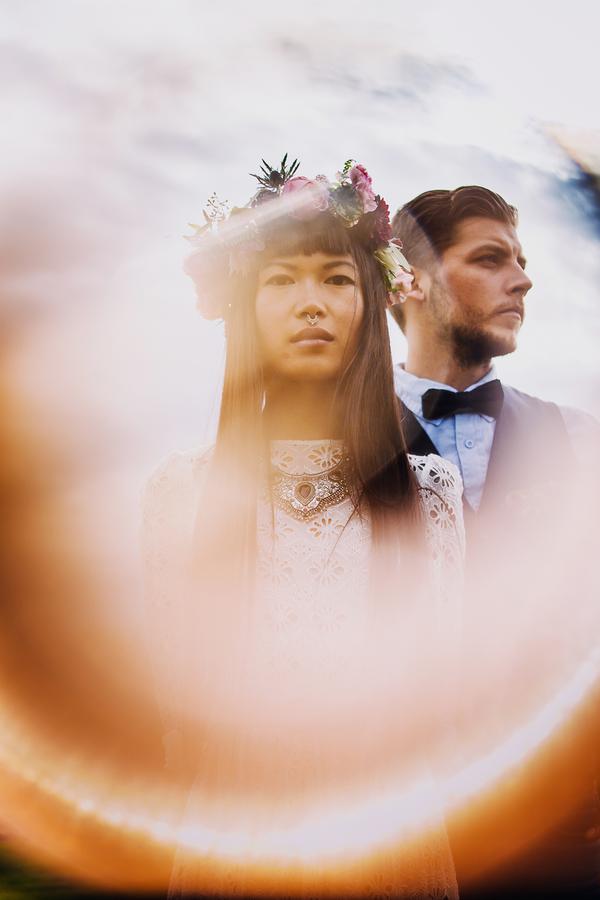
(312, 334)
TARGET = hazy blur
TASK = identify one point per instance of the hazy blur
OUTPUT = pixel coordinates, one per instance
(119, 119)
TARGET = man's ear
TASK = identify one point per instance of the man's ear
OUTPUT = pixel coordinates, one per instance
(413, 284)
(420, 286)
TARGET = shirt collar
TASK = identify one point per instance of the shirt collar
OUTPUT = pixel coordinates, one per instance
(410, 388)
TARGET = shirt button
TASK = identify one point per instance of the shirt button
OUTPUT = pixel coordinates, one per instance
(469, 444)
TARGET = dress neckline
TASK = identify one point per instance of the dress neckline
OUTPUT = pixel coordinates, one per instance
(307, 457)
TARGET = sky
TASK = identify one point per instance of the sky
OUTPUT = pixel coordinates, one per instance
(121, 118)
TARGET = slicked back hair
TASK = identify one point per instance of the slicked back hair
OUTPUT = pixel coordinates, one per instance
(427, 224)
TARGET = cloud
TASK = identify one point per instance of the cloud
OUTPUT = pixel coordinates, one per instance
(407, 79)
(124, 119)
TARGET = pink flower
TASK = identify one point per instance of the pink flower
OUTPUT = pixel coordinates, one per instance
(362, 183)
(398, 293)
(403, 281)
(209, 282)
(401, 286)
(310, 197)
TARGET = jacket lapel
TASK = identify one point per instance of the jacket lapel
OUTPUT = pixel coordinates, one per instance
(417, 439)
(507, 460)
(530, 447)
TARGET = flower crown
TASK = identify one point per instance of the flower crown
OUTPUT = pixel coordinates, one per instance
(239, 231)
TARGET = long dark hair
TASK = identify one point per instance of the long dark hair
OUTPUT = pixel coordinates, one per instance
(366, 407)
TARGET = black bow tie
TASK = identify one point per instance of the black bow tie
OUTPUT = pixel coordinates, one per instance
(486, 400)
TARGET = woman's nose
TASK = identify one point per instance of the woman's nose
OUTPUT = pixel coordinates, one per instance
(311, 300)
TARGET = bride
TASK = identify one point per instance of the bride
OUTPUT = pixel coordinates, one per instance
(304, 573)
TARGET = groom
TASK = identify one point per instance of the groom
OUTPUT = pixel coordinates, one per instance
(465, 307)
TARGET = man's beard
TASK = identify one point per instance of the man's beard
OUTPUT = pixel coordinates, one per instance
(473, 346)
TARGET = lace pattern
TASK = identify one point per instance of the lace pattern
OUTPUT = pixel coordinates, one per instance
(312, 579)
(306, 457)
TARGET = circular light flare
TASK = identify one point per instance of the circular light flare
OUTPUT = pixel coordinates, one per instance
(339, 831)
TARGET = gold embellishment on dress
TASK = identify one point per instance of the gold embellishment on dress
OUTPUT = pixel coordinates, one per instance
(306, 495)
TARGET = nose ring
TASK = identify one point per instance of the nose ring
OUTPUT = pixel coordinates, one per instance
(312, 320)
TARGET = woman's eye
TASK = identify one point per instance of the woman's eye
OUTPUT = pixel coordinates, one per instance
(490, 258)
(277, 280)
(339, 279)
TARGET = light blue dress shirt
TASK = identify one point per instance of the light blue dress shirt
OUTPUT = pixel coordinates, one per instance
(465, 439)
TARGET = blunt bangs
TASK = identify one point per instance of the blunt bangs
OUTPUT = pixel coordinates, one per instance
(292, 237)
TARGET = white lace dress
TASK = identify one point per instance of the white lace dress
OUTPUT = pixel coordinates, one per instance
(312, 612)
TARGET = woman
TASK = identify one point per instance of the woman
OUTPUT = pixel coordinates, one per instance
(303, 565)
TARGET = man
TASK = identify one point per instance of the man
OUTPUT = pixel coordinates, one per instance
(515, 452)
(466, 306)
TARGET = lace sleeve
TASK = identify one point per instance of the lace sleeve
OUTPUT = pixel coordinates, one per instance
(440, 490)
(169, 511)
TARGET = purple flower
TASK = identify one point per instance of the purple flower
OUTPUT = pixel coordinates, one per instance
(374, 227)
(382, 228)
